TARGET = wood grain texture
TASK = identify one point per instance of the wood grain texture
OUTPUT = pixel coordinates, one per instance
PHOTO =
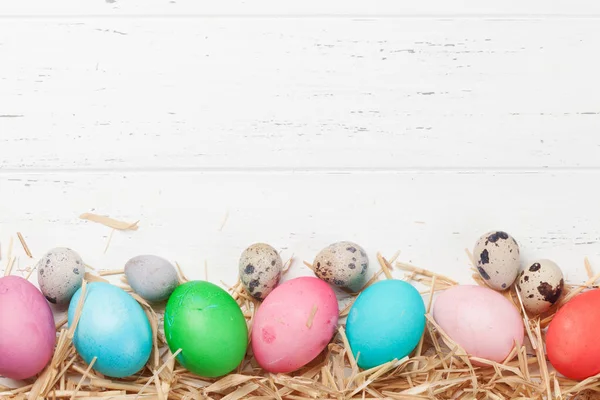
(303, 94)
(161, 8)
(192, 217)
(401, 126)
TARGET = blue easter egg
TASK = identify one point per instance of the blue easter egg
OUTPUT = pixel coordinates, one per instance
(385, 322)
(114, 328)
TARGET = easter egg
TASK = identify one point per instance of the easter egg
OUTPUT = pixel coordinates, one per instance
(207, 324)
(260, 269)
(540, 285)
(342, 264)
(152, 277)
(27, 332)
(112, 327)
(386, 322)
(572, 341)
(480, 320)
(60, 274)
(497, 258)
(294, 324)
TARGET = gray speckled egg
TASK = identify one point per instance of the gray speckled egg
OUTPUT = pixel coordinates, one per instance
(540, 285)
(343, 264)
(260, 269)
(60, 274)
(497, 258)
(152, 277)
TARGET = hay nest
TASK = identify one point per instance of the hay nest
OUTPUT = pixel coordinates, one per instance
(437, 369)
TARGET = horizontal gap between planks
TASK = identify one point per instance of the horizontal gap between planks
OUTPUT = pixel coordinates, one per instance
(304, 170)
(490, 17)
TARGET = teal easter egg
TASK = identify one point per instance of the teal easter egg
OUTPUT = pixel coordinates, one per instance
(385, 322)
(113, 328)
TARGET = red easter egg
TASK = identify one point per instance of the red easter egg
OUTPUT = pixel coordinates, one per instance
(572, 341)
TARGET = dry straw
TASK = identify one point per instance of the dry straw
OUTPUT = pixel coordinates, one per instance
(110, 222)
(437, 369)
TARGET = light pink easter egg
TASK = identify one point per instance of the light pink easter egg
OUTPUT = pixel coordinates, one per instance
(482, 321)
(294, 324)
(27, 332)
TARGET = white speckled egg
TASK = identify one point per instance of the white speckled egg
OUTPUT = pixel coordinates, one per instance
(152, 277)
(497, 258)
(540, 286)
(260, 269)
(60, 274)
(343, 264)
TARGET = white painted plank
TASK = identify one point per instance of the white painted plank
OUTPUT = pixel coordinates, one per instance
(307, 94)
(430, 217)
(299, 8)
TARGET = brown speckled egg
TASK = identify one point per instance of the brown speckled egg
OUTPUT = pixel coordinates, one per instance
(60, 274)
(540, 285)
(497, 258)
(260, 269)
(343, 264)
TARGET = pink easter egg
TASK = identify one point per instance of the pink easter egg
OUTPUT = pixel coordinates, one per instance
(27, 331)
(294, 324)
(480, 320)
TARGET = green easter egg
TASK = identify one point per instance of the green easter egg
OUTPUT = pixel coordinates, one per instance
(206, 323)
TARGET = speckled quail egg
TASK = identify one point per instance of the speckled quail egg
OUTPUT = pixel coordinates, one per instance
(260, 269)
(342, 264)
(497, 258)
(540, 286)
(152, 277)
(60, 274)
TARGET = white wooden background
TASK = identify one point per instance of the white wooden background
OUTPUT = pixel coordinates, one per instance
(401, 127)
